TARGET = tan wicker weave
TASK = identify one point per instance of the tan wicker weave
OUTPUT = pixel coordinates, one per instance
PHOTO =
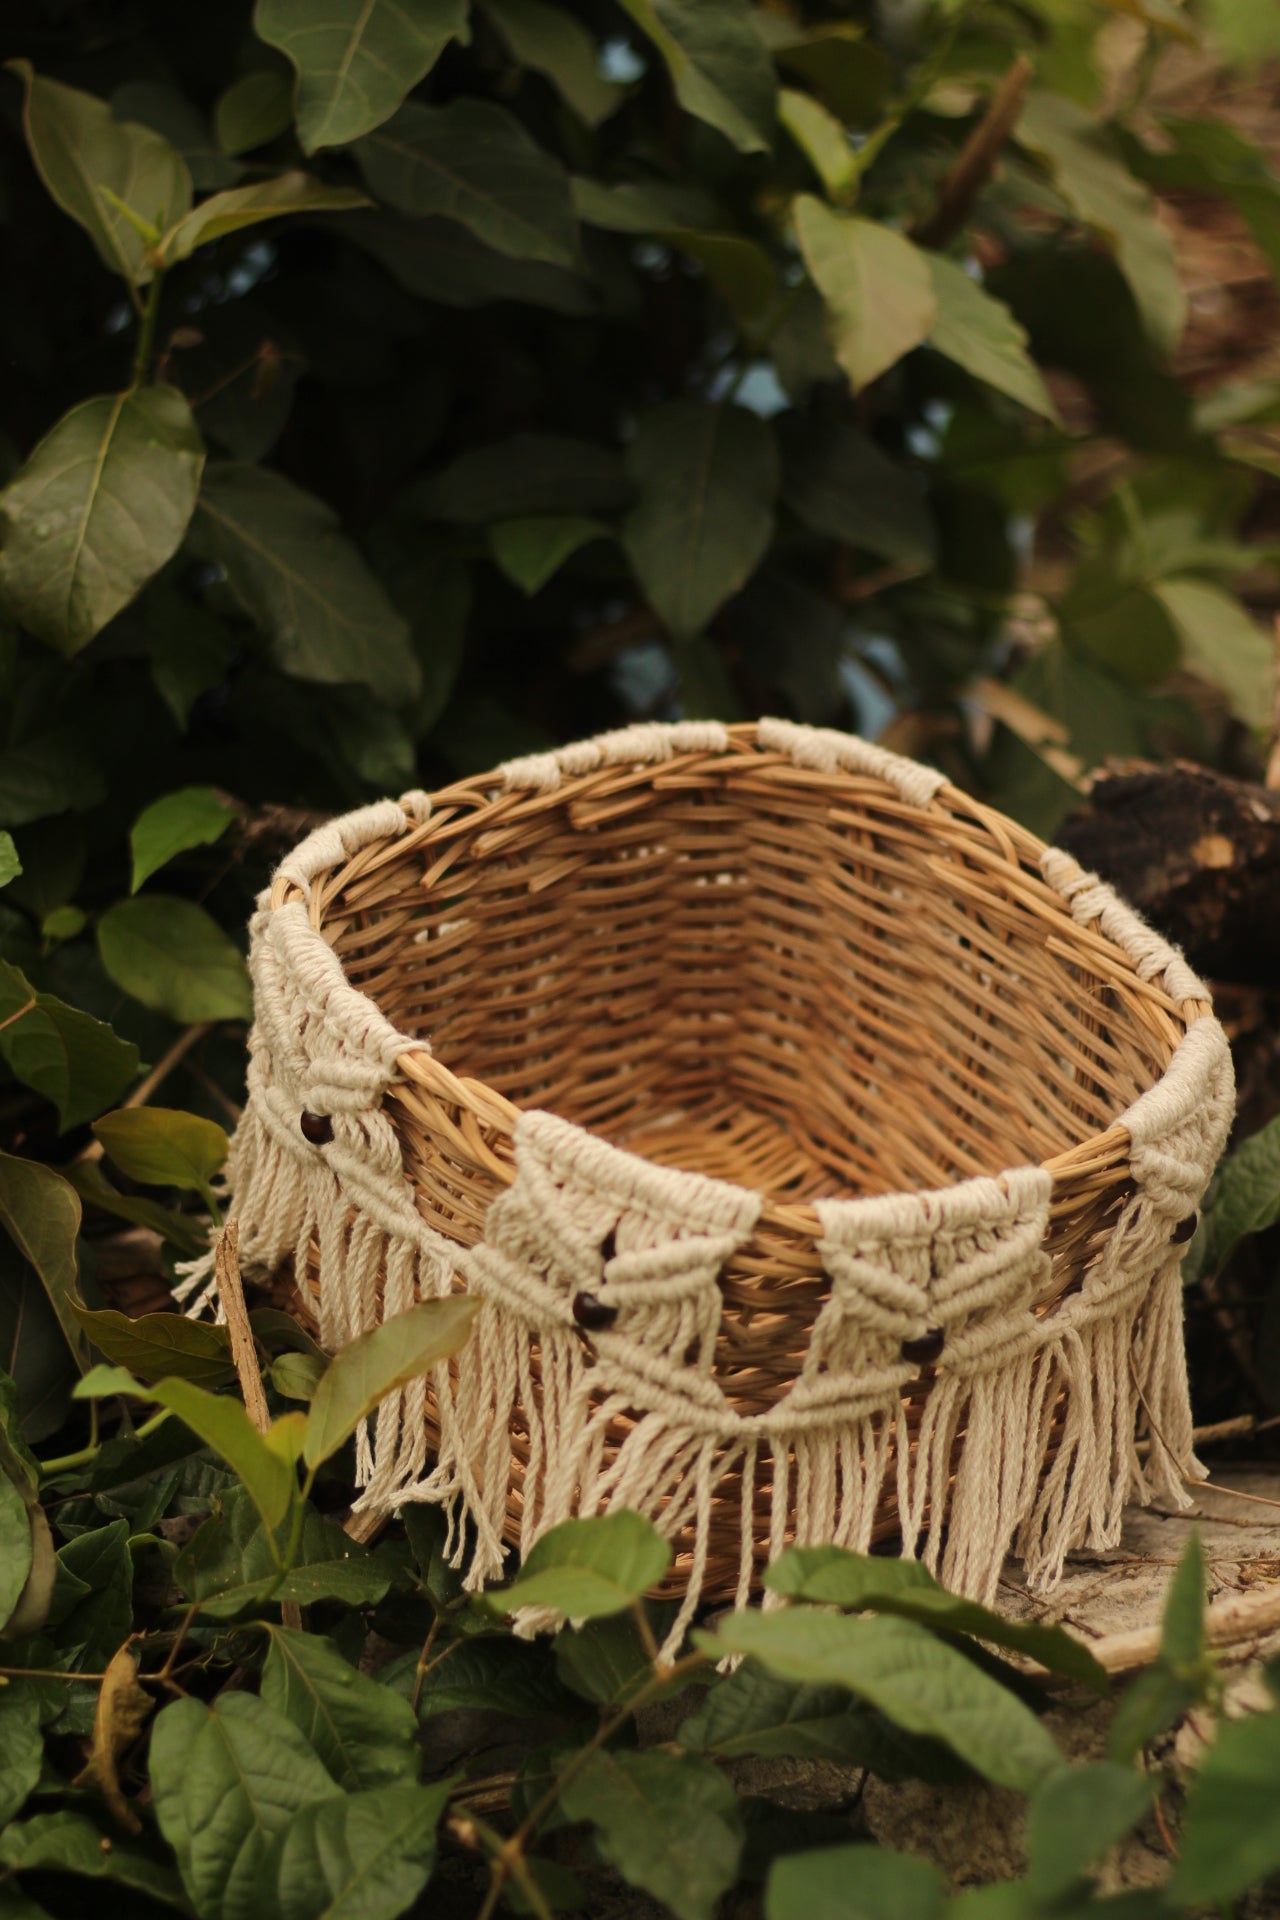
(811, 971)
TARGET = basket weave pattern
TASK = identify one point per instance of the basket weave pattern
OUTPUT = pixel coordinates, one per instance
(820, 1145)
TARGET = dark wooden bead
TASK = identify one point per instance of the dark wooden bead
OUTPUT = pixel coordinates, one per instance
(609, 1246)
(926, 1349)
(317, 1128)
(592, 1313)
(1185, 1229)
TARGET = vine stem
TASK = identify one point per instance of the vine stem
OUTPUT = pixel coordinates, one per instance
(147, 330)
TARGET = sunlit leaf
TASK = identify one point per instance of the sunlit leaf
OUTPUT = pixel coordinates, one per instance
(161, 1346)
(238, 207)
(917, 1680)
(876, 287)
(872, 1583)
(100, 506)
(93, 163)
(821, 138)
(980, 334)
(1087, 170)
(193, 817)
(370, 1367)
(590, 1567)
(172, 956)
(718, 65)
(356, 59)
(164, 1146)
(10, 865)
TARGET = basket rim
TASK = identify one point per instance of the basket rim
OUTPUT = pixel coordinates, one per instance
(352, 845)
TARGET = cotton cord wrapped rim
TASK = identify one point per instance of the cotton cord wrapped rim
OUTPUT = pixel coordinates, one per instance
(821, 1146)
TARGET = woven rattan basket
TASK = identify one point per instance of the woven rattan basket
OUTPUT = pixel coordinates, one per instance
(821, 1146)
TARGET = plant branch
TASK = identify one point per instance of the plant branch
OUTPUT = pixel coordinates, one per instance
(147, 330)
(976, 161)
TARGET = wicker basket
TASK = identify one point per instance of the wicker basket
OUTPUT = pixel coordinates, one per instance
(821, 1145)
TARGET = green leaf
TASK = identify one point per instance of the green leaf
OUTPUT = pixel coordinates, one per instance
(1224, 645)
(877, 288)
(669, 1823)
(1245, 1195)
(92, 1609)
(15, 1548)
(821, 139)
(752, 1713)
(739, 269)
(75, 1061)
(585, 1568)
(1125, 627)
(164, 1146)
(551, 42)
(373, 1365)
(303, 584)
(102, 1380)
(649, 206)
(854, 1883)
(718, 65)
(172, 956)
(10, 865)
(917, 1680)
(229, 1566)
(296, 1375)
(366, 1859)
(181, 1230)
(1182, 1631)
(228, 1781)
(605, 1660)
(356, 59)
(1230, 1837)
(255, 109)
(69, 1842)
(498, 1674)
(365, 1734)
(21, 1741)
(162, 1346)
(238, 207)
(267, 1475)
(527, 475)
(850, 73)
(1077, 1816)
(839, 483)
(40, 1211)
(1088, 172)
(193, 817)
(872, 1583)
(980, 334)
(707, 478)
(1246, 34)
(441, 262)
(530, 550)
(93, 165)
(474, 163)
(100, 506)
